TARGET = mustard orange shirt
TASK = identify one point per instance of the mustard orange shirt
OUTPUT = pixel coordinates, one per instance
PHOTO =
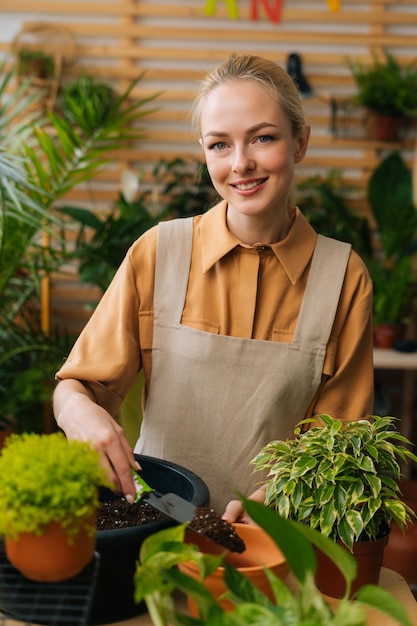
(234, 289)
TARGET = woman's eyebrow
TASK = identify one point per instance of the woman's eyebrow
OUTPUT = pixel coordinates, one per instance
(259, 126)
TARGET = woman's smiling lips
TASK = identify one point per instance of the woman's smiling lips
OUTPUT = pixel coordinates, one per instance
(245, 187)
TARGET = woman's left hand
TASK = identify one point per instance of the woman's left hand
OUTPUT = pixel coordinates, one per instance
(235, 512)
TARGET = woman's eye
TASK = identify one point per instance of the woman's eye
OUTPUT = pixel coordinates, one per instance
(264, 138)
(219, 145)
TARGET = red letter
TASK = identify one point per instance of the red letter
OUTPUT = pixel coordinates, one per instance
(274, 13)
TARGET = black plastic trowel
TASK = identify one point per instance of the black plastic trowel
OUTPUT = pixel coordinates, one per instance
(174, 506)
(184, 512)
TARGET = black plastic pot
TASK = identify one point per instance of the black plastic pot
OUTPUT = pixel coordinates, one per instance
(118, 550)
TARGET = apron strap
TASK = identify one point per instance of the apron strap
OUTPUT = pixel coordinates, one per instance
(322, 294)
(173, 235)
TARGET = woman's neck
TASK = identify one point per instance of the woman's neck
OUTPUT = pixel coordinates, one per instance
(253, 229)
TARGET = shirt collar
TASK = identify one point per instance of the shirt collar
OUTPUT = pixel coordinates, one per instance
(294, 252)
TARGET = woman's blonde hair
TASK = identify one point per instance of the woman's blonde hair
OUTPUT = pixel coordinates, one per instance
(263, 71)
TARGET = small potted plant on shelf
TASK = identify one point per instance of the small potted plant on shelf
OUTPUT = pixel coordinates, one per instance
(390, 197)
(388, 89)
(296, 601)
(341, 479)
(48, 503)
(35, 63)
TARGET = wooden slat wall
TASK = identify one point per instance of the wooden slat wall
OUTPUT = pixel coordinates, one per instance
(175, 42)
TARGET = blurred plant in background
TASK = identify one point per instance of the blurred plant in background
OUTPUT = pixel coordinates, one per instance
(175, 189)
(41, 159)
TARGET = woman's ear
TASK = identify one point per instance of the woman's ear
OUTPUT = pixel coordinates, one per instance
(302, 145)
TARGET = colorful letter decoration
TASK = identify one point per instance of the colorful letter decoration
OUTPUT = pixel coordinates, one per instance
(231, 8)
(273, 8)
(334, 5)
(273, 12)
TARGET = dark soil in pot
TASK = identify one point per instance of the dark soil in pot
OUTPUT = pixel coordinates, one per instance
(115, 514)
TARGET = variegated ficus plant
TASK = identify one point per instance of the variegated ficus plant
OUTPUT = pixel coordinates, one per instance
(339, 478)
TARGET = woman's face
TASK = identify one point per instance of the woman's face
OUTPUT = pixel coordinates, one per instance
(249, 148)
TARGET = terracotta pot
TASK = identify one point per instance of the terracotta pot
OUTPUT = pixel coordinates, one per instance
(400, 554)
(386, 127)
(368, 555)
(5, 431)
(261, 552)
(50, 557)
(385, 335)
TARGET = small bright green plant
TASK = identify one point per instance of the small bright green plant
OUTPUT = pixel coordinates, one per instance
(339, 479)
(47, 478)
(157, 576)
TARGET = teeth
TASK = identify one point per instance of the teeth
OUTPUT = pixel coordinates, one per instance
(244, 187)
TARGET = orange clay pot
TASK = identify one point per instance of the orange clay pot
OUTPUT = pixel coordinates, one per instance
(5, 431)
(368, 555)
(50, 557)
(261, 552)
(400, 554)
(385, 335)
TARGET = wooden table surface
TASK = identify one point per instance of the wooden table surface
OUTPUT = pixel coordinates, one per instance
(390, 580)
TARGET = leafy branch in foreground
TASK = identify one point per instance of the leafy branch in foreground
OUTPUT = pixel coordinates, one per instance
(157, 577)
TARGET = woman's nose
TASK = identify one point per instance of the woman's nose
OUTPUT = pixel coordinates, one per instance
(242, 161)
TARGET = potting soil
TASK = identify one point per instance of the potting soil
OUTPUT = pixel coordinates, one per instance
(113, 514)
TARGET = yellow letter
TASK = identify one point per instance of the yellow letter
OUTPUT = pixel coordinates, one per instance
(334, 5)
(231, 8)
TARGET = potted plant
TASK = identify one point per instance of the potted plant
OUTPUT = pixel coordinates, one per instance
(394, 290)
(388, 90)
(299, 604)
(341, 479)
(48, 503)
(35, 63)
(390, 197)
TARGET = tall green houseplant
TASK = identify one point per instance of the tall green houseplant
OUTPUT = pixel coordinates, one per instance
(390, 197)
(42, 159)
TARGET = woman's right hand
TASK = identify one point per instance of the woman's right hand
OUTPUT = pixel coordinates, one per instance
(81, 418)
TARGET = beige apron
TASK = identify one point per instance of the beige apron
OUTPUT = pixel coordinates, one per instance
(214, 401)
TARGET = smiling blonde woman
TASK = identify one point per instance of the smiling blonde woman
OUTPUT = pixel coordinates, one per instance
(244, 319)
